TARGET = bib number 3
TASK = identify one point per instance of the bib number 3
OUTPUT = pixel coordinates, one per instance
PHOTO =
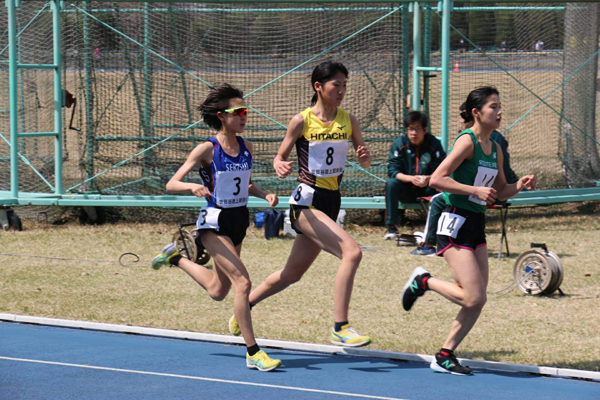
(449, 224)
(208, 218)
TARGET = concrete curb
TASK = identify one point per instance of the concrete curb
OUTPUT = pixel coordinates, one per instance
(309, 347)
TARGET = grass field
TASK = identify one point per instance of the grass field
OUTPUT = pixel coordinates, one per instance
(553, 331)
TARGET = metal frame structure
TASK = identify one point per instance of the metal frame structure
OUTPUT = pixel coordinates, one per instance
(15, 197)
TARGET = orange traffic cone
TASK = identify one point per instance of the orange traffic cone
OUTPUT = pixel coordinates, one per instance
(456, 67)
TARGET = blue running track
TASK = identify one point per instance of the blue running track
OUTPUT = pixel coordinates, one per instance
(41, 362)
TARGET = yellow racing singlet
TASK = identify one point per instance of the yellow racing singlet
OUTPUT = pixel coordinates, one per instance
(322, 150)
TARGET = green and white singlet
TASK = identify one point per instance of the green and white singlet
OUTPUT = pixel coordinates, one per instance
(480, 170)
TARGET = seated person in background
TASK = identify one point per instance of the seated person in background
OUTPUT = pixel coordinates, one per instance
(413, 158)
(427, 248)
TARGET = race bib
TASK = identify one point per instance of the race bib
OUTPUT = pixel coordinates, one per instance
(208, 218)
(449, 224)
(327, 158)
(485, 177)
(302, 195)
(232, 188)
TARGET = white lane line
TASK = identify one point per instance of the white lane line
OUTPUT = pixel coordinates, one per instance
(198, 378)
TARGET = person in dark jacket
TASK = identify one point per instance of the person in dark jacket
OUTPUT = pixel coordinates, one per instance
(413, 158)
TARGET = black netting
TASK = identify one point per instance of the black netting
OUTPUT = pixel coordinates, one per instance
(139, 70)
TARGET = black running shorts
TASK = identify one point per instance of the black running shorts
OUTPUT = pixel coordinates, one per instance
(233, 223)
(471, 234)
(326, 201)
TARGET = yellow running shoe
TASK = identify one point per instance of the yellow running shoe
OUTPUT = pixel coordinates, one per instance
(262, 362)
(348, 336)
(234, 328)
(165, 256)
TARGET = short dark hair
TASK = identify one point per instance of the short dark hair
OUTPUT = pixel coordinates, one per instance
(476, 99)
(415, 116)
(218, 100)
(324, 72)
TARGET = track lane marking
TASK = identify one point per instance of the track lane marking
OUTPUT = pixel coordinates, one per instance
(199, 378)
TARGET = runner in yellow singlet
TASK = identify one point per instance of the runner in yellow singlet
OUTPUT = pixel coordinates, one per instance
(320, 134)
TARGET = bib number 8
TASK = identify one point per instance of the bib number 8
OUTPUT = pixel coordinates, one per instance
(302, 195)
(329, 159)
(298, 194)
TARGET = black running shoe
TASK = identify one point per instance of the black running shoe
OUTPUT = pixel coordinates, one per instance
(447, 363)
(414, 287)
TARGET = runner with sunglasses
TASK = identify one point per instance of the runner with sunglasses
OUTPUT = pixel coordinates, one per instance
(320, 134)
(225, 165)
(470, 180)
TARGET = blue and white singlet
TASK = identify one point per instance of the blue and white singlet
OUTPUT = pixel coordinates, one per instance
(229, 177)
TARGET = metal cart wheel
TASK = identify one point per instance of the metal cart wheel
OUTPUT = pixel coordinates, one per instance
(189, 250)
(533, 272)
(203, 254)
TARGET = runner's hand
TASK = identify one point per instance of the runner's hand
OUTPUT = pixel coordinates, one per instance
(283, 168)
(363, 154)
(200, 191)
(272, 199)
(486, 194)
(528, 181)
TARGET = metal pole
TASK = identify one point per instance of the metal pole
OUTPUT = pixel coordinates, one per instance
(22, 148)
(447, 8)
(89, 98)
(416, 92)
(426, 58)
(58, 99)
(13, 95)
(147, 162)
(405, 58)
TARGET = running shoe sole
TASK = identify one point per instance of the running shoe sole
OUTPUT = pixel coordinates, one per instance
(251, 366)
(416, 253)
(437, 368)
(359, 344)
(230, 328)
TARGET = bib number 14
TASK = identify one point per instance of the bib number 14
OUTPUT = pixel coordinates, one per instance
(449, 224)
(485, 177)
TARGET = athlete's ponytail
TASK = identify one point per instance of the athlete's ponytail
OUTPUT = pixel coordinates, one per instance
(323, 73)
(463, 113)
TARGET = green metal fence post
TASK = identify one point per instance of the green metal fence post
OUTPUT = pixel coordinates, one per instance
(136, 92)
(58, 98)
(21, 94)
(14, 106)
(89, 99)
(447, 9)
(426, 60)
(416, 92)
(147, 73)
(405, 58)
